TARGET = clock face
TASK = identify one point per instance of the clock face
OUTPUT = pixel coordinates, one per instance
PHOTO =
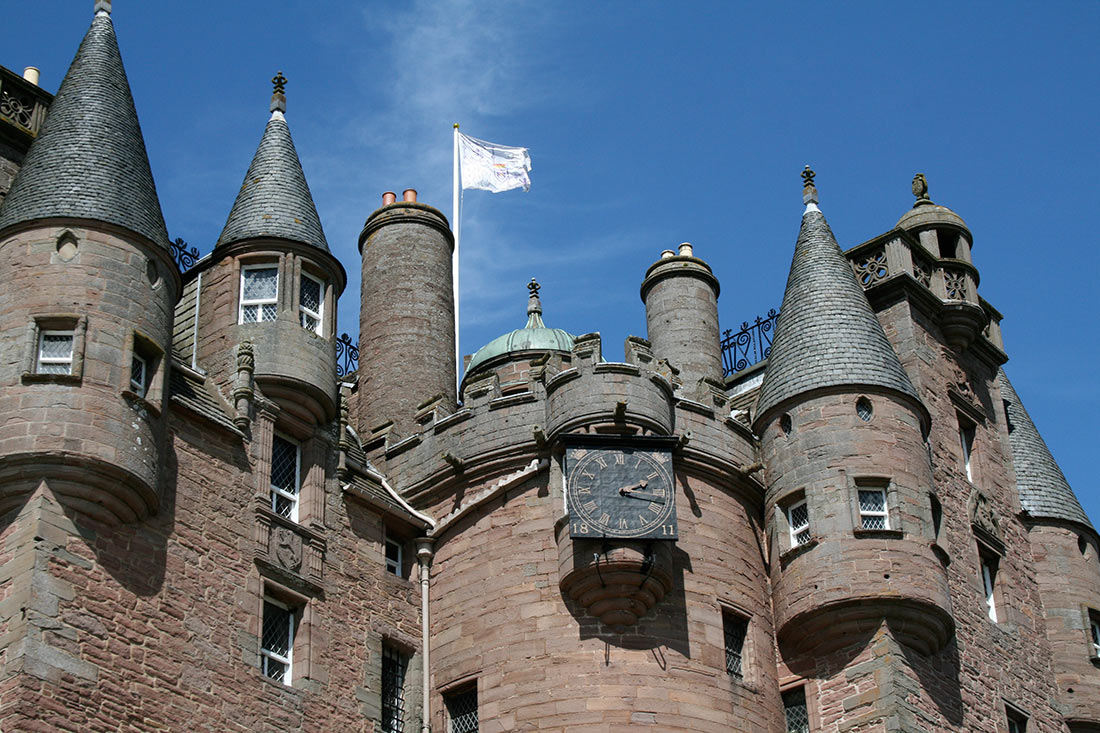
(620, 491)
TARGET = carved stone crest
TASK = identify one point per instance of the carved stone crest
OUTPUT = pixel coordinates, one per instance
(984, 517)
(287, 548)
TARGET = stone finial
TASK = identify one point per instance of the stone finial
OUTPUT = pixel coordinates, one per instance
(103, 6)
(278, 97)
(809, 190)
(920, 189)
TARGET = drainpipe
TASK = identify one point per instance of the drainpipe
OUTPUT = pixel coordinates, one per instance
(424, 553)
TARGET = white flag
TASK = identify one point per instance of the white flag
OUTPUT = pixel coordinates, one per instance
(493, 167)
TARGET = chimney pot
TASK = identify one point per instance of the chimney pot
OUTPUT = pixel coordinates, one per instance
(686, 250)
(388, 198)
(667, 253)
(31, 74)
(410, 194)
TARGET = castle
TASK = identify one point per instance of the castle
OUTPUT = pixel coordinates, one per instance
(207, 525)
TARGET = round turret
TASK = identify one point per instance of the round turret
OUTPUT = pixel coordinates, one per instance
(86, 329)
(272, 281)
(681, 304)
(509, 355)
(406, 315)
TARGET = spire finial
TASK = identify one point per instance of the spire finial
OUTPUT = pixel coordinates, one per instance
(102, 6)
(278, 97)
(534, 306)
(920, 190)
(809, 190)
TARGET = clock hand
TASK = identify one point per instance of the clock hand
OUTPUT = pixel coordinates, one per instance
(630, 489)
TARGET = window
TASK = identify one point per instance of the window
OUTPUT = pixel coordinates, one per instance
(966, 438)
(1094, 632)
(989, 563)
(872, 509)
(1017, 721)
(798, 520)
(394, 666)
(393, 556)
(794, 707)
(277, 644)
(286, 469)
(461, 710)
(259, 293)
(311, 293)
(735, 628)
(55, 352)
(139, 375)
(937, 515)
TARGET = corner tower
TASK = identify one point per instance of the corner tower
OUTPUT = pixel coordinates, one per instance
(842, 436)
(271, 284)
(85, 319)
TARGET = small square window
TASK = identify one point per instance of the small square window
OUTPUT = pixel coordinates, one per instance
(55, 352)
(795, 711)
(286, 471)
(872, 509)
(798, 520)
(310, 303)
(461, 711)
(139, 375)
(277, 643)
(259, 294)
(394, 666)
(393, 556)
(735, 629)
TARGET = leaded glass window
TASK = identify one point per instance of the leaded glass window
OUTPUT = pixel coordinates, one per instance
(259, 294)
(798, 517)
(872, 509)
(277, 643)
(394, 666)
(139, 369)
(1094, 628)
(55, 352)
(310, 299)
(462, 711)
(794, 707)
(735, 629)
(286, 461)
(393, 556)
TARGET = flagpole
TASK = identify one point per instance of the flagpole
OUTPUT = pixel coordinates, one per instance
(455, 227)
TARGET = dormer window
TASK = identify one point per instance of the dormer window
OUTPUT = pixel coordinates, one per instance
(259, 293)
(311, 303)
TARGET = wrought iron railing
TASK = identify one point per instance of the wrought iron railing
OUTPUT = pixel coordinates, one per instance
(751, 344)
(185, 256)
(347, 355)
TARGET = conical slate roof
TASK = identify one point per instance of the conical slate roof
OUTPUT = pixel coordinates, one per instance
(826, 334)
(1044, 491)
(89, 160)
(274, 200)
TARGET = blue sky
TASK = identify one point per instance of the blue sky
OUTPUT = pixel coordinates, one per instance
(650, 124)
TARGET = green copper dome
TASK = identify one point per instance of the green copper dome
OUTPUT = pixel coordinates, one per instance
(535, 336)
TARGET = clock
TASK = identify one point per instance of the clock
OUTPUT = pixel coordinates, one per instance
(620, 489)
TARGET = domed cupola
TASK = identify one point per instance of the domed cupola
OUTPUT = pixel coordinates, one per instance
(535, 338)
(945, 236)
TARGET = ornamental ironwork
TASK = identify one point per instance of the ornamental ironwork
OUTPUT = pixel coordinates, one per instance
(751, 344)
(922, 270)
(185, 256)
(18, 109)
(872, 268)
(347, 355)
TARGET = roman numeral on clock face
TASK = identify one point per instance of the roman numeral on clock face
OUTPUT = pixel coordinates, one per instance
(589, 506)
